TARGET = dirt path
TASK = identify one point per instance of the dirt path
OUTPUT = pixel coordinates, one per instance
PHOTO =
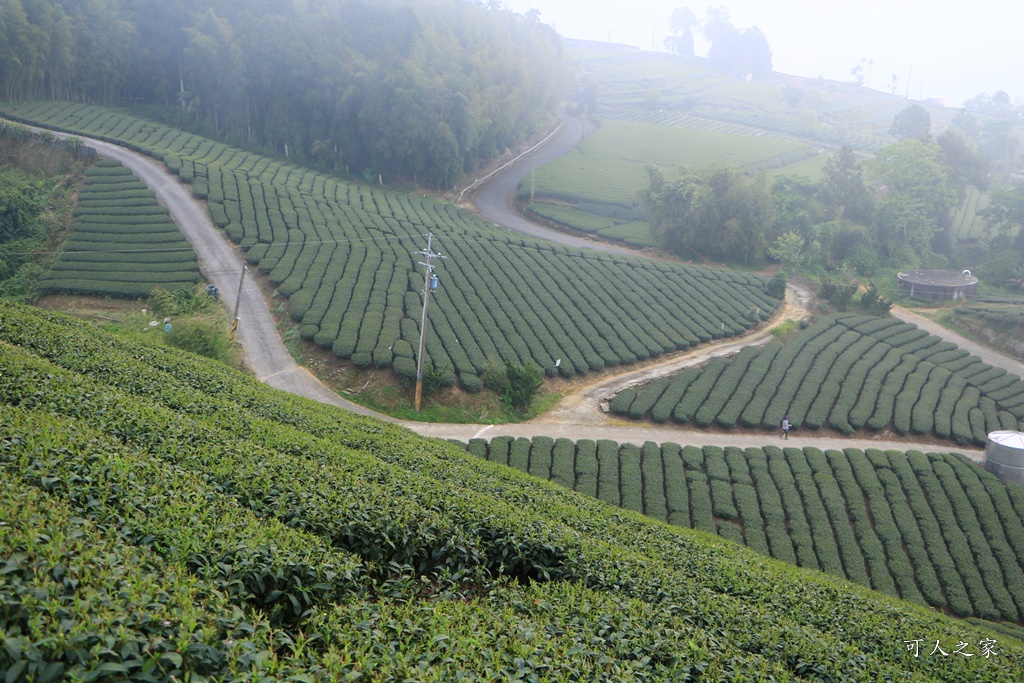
(583, 405)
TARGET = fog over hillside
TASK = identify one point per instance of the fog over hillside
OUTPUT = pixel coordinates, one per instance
(947, 49)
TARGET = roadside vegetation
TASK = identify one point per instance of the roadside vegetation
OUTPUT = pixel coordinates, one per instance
(39, 177)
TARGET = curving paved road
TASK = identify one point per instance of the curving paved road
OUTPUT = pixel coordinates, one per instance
(491, 198)
(269, 360)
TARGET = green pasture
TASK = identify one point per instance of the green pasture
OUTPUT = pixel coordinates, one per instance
(639, 83)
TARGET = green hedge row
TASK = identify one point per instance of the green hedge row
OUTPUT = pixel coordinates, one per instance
(850, 373)
(934, 530)
(123, 242)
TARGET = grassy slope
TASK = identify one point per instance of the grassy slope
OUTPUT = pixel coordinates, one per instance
(208, 524)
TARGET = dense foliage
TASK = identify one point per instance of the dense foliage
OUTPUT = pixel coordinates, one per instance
(417, 91)
(344, 256)
(167, 517)
(37, 178)
(934, 529)
(848, 372)
(123, 242)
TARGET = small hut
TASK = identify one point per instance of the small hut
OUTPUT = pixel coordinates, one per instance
(938, 285)
(1004, 456)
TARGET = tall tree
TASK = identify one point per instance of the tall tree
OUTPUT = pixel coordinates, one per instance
(918, 198)
(913, 121)
(681, 23)
(843, 192)
(715, 213)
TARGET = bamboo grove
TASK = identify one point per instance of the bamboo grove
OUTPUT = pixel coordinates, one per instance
(343, 255)
(167, 518)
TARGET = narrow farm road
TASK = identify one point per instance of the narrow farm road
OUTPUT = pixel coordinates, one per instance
(270, 361)
(988, 355)
(491, 197)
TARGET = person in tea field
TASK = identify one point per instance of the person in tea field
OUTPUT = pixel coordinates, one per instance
(785, 427)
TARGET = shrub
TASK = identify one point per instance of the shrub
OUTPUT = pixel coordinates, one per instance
(523, 382)
(495, 376)
(203, 338)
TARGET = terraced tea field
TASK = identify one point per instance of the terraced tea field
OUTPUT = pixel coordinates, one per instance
(934, 529)
(165, 517)
(343, 255)
(848, 372)
(594, 188)
(123, 242)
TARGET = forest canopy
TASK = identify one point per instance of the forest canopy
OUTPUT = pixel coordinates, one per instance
(416, 91)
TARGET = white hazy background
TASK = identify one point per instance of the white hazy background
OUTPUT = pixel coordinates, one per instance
(939, 48)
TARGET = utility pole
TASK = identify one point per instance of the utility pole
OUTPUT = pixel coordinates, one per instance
(429, 283)
(533, 184)
(238, 302)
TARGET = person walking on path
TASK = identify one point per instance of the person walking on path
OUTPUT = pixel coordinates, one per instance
(785, 427)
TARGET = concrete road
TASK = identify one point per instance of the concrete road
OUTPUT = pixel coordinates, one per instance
(988, 355)
(492, 198)
(221, 264)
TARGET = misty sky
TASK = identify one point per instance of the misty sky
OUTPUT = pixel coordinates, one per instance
(952, 49)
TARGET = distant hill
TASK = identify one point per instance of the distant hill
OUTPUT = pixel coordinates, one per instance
(166, 518)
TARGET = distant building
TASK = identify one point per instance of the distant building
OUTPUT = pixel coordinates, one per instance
(938, 285)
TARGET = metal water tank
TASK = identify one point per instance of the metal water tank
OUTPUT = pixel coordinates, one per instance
(1004, 456)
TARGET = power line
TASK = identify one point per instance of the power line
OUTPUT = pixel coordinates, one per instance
(48, 252)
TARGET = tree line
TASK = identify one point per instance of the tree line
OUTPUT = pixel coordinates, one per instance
(416, 92)
(864, 214)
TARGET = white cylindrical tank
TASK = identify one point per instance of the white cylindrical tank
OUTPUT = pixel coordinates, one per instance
(1004, 456)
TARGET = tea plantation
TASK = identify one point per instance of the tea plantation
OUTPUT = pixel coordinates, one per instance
(935, 529)
(848, 372)
(166, 518)
(123, 242)
(344, 256)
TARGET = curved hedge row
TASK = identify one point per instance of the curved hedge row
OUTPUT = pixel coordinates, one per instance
(168, 518)
(848, 372)
(343, 255)
(123, 243)
(933, 529)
